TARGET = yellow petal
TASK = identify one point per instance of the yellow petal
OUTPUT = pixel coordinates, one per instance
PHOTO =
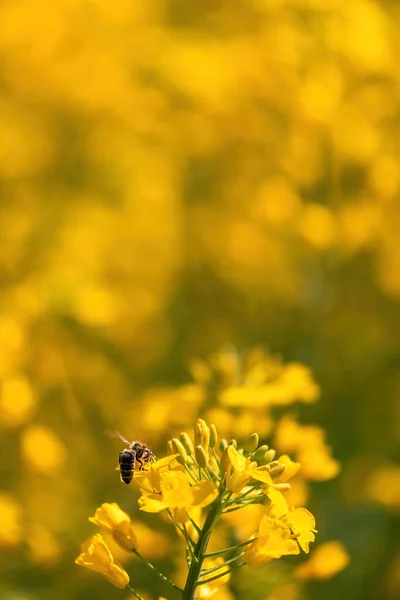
(175, 488)
(279, 505)
(273, 541)
(151, 503)
(96, 556)
(238, 461)
(108, 515)
(204, 492)
(302, 522)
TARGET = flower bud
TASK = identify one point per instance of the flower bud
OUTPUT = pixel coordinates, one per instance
(197, 435)
(179, 449)
(273, 464)
(225, 460)
(270, 455)
(251, 443)
(281, 487)
(204, 434)
(187, 443)
(259, 455)
(170, 448)
(222, 445)
(213, 436)
(277, 471)
(233, 443)
(201, 457)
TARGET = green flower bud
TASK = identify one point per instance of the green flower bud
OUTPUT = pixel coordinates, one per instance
(270, 455)
(197, 434)
(277, 471)
(273, 464)
(202, 434)
(187, 443)
(225, 460)
(222, 445)
(213, 436)
(259, 455)
(170, 448)
(251, 443)
(179, 449)
(233, 443)
(201, 457)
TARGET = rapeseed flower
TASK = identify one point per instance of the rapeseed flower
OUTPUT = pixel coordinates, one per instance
(242, 469)
(112, 519)
(175, 492)
(96, 556)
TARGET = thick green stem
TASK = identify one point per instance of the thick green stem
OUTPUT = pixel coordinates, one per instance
(200, 551)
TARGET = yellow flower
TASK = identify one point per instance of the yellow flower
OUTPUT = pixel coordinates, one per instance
(327, 560)
(241, 470)
(149, 480)
(96, 556)
(300, 521)
(274, 540)
(175, 492)
(112, 519)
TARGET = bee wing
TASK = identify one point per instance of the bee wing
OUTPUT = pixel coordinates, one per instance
(116, 434)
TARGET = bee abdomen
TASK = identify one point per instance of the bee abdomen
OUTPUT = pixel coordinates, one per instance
(126, 466)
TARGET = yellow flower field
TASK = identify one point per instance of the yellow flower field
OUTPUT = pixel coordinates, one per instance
(200, 249)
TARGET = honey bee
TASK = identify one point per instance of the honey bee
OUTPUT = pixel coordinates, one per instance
(136, 452)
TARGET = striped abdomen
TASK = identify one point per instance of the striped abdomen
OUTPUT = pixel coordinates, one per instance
(127, 465)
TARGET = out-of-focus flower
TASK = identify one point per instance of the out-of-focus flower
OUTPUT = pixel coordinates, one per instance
(43, 545)
(42, 449)
(17, 401)
(152, 543)
(383, 486)
(290, 383)
(175, 492)
(308, 441)
(10, 521)
(326, 560)
(213, 588)
(96, 556)
(112, 519)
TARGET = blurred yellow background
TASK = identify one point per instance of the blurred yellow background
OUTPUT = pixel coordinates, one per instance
(175, 178)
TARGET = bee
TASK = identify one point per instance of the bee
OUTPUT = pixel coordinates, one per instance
(136, 452)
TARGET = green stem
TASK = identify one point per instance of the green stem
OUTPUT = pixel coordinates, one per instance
(200, 551)
(231, 549)
(190, 473)
(193, 522)
(156, 571)
(183, 531)
(134, 592)
(225, 564)
(241, 496)
(203, 581)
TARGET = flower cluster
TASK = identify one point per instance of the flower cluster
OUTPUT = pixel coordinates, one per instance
(200, 482)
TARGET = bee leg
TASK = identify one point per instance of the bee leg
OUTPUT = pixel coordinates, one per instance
(140, 463)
